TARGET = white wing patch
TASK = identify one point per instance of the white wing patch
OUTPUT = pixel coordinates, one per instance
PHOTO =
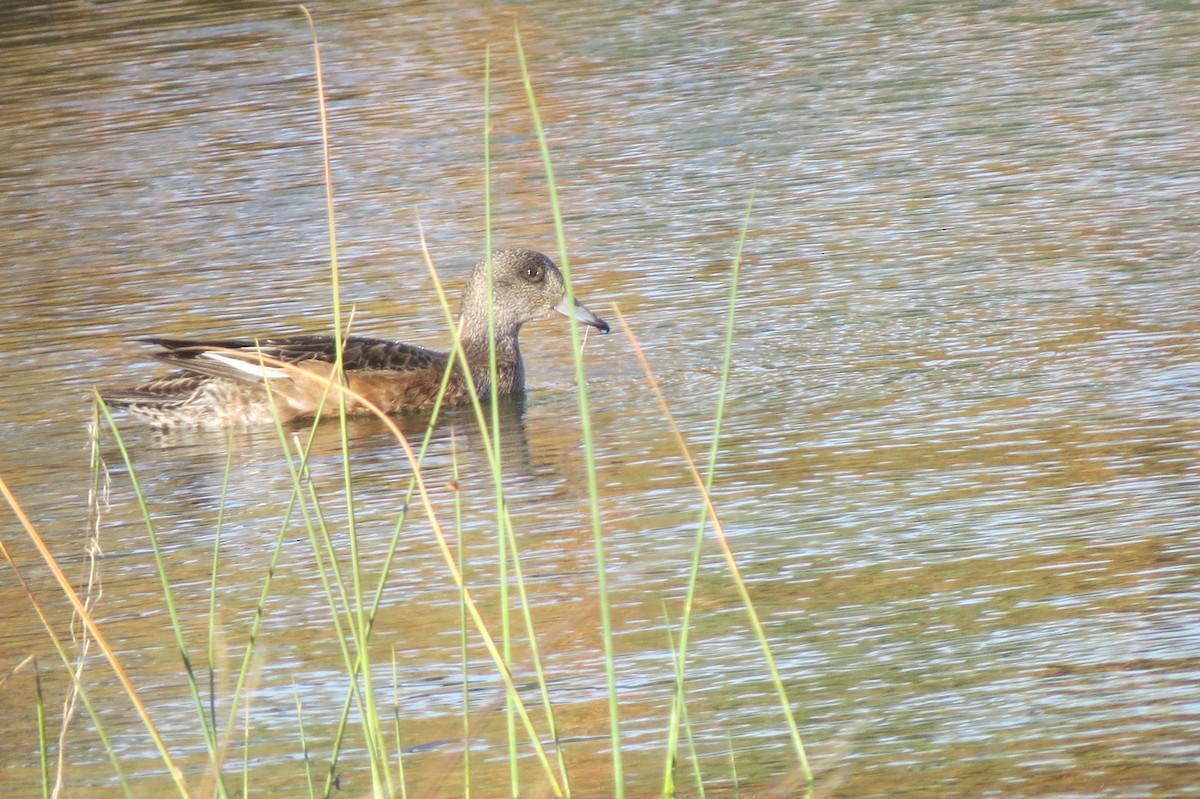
(252, 368)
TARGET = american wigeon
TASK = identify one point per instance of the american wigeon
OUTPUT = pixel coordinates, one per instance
(221, 382)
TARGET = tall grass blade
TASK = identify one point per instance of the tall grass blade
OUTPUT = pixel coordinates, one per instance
(463, 640)
(359, 624)
(677, 709)
(510, 718)
(396, 714)
(680, 708)
(585, 421)
(164, 579)
(43, 741)
(75, 671)
(308, 775)
(726, 551)
(212, 591)
(102, 642)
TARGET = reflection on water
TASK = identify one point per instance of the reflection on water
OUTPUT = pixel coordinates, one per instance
(960, 466)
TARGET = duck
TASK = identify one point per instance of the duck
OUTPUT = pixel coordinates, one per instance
(218, 383)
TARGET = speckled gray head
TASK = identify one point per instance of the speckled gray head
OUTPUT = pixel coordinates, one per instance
(526, 286)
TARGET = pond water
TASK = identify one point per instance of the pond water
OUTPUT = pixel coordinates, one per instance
(961, 464)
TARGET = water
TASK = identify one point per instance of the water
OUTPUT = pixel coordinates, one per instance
(960, 466)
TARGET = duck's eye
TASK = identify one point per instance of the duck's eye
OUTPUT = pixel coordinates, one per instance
(533, 273)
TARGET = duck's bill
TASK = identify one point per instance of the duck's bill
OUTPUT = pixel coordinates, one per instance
(581, 314)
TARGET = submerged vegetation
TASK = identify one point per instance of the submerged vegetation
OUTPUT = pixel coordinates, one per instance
(368, 730)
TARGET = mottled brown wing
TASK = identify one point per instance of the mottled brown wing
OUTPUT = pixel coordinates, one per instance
(372, 354)
(359, 354)
(175, 387)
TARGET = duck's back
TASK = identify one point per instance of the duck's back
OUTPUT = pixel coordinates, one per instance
(218, 381)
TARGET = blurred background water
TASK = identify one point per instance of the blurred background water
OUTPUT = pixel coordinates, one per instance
(960, 468)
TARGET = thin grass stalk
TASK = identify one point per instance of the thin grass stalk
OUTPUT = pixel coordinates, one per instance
(86, 617)
(507, 550)
(507, 532)
(726, 551)
(295, 499)
(357, 614)
(514, 775)
(589, 449)
(396, 716)
(256, 672)
(372, 732)
(504, 523)
(98, 492)
(491, 448)
(463, 640)
(28, 659)
(308, 775)
(212, 592)
(246, 750)
(331, 218)
(75, 671)
(677, 666)
(481, 626)
(160, 566)
(355, 663)
(77, 687)
(535, 652)
(677, 707)
(353, 670)
(694, 755)
(733, 774)
(43, 740)
(301, 483)
(493, 372)
(330, 575)
(494, 464)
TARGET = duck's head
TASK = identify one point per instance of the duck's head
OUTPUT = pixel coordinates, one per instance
(526, 286)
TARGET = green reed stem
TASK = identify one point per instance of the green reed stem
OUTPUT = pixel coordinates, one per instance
(396, 717)
(353, 693)
(494, 456)
(585, 420)
(677, 708)
(81, 609)
(301, 484)
(43, 740)
(463, 640)
(172, 612)
(308, 775)
(726, 551)
(448, 555)
(733, 773)
(300, 477)
(89, 622)
(677, 661)
(372, 732)
(246, 749)
(535, 652)
(212, 592)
